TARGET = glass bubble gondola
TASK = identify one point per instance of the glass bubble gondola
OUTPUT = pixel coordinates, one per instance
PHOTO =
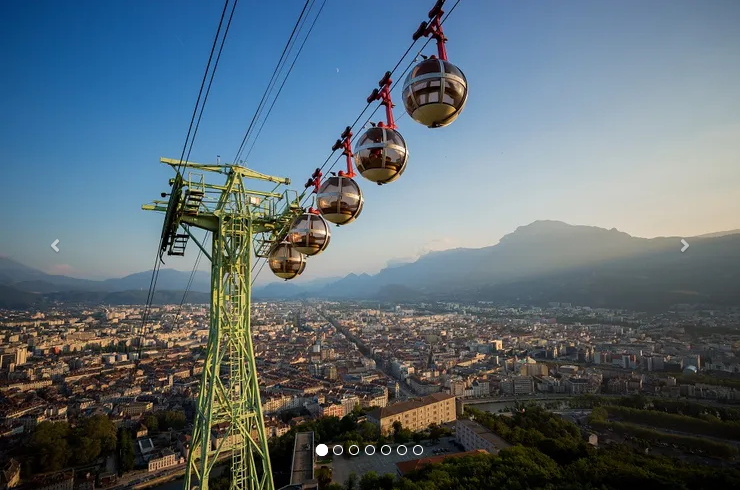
(286, 262)
(310, 234)
(381, 155)
(339, 200)
(435, 92)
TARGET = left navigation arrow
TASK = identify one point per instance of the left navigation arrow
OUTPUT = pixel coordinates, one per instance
(54, 245)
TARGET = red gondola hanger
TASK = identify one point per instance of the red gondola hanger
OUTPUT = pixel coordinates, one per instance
(435, 91)
(433, 28)
(384, 95)
(345, 142)
(339, 198)
(315, 181)
(381, 153)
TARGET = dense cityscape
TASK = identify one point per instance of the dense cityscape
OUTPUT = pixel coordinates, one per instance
(98, 398)
(518, 268)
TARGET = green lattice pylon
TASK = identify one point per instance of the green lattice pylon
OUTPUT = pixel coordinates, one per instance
(243, 225)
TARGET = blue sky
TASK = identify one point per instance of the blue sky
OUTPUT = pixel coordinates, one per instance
(618, 114)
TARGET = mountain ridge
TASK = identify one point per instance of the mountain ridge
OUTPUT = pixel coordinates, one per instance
(550, 259)
(541, 260)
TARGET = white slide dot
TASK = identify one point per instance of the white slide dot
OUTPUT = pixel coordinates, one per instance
(322, 450)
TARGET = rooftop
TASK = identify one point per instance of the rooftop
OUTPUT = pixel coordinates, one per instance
(379, 413)
(484, 433)
(417, 464)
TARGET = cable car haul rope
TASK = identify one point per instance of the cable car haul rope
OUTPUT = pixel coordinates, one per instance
(434, 94)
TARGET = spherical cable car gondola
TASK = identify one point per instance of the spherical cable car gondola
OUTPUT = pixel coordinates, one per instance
(310, 233)
(381, 154)
(435, 91)
(340, 200)
(286, 262)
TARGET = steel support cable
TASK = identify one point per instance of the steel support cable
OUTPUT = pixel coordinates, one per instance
(203, 82)
(210, 81)
(194, 134)
(190, 149)
(377, 107)
(190, 280)
(280, 62)
(274, 81)
(262, 265)
(408, 67)
(271, 84)
(157, 261)
(258, 272)
(367, 106)
(429, 39)
(192, 142)
(290, 69)
(370, 117)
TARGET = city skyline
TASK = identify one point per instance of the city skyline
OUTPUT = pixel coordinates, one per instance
(612, 115)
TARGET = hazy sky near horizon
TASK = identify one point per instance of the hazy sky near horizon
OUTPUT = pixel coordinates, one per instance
(618, 114)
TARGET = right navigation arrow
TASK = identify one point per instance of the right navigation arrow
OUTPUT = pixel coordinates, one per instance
(685, 245)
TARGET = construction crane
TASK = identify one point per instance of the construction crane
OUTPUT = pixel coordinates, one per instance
(244, 224)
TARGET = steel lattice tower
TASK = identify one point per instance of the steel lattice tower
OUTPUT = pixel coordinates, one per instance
(244, 224)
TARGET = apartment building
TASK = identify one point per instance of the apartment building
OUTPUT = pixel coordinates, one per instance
(163, 459)
(57, 481)
(474, 436)
(437, 408)
(136, 408)
(332, 410)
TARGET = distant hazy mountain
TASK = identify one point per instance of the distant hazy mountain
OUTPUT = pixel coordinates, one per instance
(25, 278)
(540, 262)
(22, 286)
(719, 234)
(166, 279)
(21, 276)
(137, 297)
(351, 285)
(553, 261)
(278, 290)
